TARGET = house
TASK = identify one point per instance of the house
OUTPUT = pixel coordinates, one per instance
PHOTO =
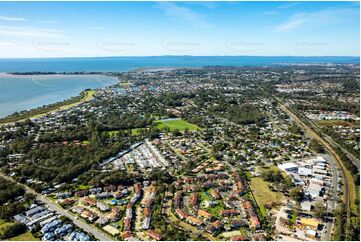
(88, 201)
(111, 230)
(181, 213)
(306, 206)
(237, 238)
(95, 190)
(154, 235)
(231, 212)
(146, 223)
(90, 216)
(103, 207)
(82, 193)
(63, 195)
(77, 209)
(205, 214)
(21, 218)
(214, 227)
(289, 167)
(67, 202)
(215, 194)
(309, 222)
(193, 200)
(127, 224)
(34, 210)
(103, 195)
(194, 220)
(254, 222)
(102, 220)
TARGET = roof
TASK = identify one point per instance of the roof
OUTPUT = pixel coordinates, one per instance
(309, 222)
(288, 165)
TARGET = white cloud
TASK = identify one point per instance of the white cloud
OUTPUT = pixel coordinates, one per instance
(288, 5)
(182, 13)
(15, 19)
(24, 31)
(315, 19)
(7, 44)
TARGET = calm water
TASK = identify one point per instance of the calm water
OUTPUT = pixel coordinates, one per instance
(129, 63)
(25, 92)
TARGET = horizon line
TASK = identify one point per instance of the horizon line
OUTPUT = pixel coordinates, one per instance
(149, 56)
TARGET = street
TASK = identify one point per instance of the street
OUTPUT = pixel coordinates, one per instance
(53, 206)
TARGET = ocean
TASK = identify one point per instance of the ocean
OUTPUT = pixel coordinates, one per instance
(19, 93)
(106, 64)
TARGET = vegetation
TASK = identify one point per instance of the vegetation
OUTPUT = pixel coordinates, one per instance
(173, 125)
(19, 116)
(263, 194)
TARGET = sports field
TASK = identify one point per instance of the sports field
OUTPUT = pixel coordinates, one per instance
(174, 124)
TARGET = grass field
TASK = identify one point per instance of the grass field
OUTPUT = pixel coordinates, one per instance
(179, 124)
(24, 237)
(273, 168)
(3, 225)
(263, 194)
(333, 123)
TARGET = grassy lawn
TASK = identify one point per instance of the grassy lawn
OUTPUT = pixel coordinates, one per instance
(273, 168)
(179, 124)
(263, 194)
(231, 234)
(24, 237)
(333, 123)
(3, 225)
(81, 187)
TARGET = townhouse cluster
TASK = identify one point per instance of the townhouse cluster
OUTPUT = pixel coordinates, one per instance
(215, 202)
(52, 226)
(143, 156)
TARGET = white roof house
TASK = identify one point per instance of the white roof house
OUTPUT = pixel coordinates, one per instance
(288, 167)
(303, 171)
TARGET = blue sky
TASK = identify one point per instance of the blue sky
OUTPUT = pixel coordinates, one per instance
(74, 29)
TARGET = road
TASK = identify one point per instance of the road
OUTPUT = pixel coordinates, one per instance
(55, 207)
(314, 135)
(329, 139)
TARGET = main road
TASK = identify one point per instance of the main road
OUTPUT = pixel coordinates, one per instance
(328, 146)
(54, 207)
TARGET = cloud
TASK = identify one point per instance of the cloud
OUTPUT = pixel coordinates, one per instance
(7, 44)
(288, 5)
(24, 31)
(47, 22)
(15, 19)
(315, 19)
(185, 14)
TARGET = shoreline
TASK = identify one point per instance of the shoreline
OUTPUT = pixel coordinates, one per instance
(88, 95)
(67, 101)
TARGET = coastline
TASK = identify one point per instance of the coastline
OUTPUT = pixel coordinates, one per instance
(88, 95)
(53, 89)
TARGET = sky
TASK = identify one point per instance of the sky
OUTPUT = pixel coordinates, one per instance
(96, 29)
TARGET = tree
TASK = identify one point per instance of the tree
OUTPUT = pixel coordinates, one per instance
(319, 209)
(297, 194)
(315, 146)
